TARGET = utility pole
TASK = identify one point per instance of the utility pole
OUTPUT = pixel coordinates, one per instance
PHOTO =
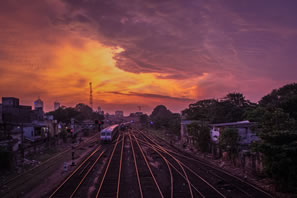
(72, 136)
(91, 95)
(55, 133)
(23, 146)
(139, 108)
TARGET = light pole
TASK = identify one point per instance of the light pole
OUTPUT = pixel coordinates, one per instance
(72, 135)
(55, 133)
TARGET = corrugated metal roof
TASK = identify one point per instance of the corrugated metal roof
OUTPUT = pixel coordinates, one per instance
(240, 123)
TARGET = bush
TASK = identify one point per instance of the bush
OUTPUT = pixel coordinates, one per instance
(201, 136)
(228, 141)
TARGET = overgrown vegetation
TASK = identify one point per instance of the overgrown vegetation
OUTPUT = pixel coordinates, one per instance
(229, 109)
(162, 118)
(276, 115)
(277, 128)
(228, 141)
(80, 112)
(201, 136)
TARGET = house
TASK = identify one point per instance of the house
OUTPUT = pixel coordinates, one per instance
(245, 131)
(35, 131)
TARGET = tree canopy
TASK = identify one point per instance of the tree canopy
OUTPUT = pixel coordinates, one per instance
(277, 129)
(284, 98)
(229, 109)
(80, 112)
(163, 118)
(276, 115)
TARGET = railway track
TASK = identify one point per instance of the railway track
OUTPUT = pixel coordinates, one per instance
(87, 168)
(148, 184)
(201, 188)
(110, 182)
(15, 185)
(222, 181)
(177, 184)
(71, 184)
(152, 168)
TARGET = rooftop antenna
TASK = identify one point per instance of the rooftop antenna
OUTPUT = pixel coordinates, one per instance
(91, 95)
(139, 107)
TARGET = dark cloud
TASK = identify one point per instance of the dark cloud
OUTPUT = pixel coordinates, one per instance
(162, 37)
(197, 37)
(148, 95)
(81, 82)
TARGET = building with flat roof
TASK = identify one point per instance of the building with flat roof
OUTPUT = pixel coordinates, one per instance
(13, 112)
(10, 102)
(244, 128)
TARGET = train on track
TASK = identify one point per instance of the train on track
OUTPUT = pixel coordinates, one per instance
(125, 126)
(109, 133)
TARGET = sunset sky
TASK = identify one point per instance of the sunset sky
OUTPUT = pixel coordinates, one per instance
(145, 52)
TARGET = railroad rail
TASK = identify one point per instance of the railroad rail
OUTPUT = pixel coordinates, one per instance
(147, 181)
(71, 184)
(17, 182)
(109, 185)
(226, 183)
(201, 187)
(157, 169)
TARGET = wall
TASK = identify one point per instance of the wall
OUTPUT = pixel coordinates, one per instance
(29, 132)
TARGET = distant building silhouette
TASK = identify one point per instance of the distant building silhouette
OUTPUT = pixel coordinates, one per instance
(38, 104)
(56, 105)
(100, 111)
(13, 112)
(119, 114)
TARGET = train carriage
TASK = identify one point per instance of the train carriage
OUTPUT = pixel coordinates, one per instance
(108, 134)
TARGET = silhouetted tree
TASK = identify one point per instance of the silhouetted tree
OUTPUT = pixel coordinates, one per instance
(278, 143)
(80, 112)
(160, 117)
(229, 141)
(277, 128)
(163, 118)
(230, 109)
(64, 114)
(284, 97)
(143, 119)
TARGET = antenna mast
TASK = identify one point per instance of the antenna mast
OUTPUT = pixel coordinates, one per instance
(139, 107)
(91, 95)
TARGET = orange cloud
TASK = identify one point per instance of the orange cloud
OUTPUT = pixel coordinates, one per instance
(92, 62)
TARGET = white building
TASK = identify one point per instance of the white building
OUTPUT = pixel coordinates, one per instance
(245, 132)
(35, 131)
